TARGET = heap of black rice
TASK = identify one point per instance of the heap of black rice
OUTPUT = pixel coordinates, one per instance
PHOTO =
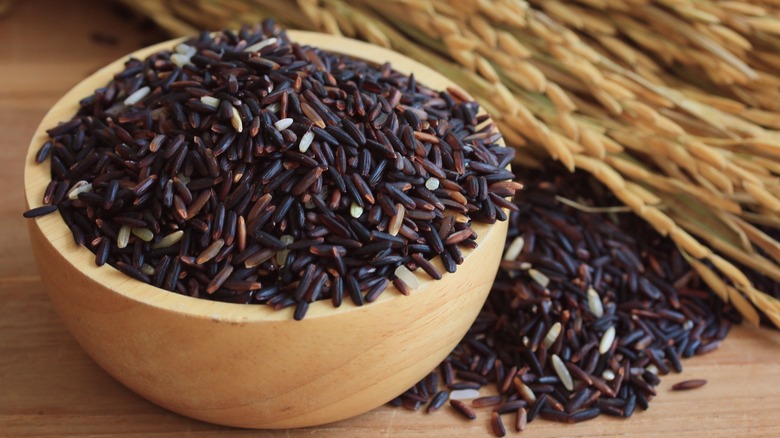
(243, 167)
(588, 310)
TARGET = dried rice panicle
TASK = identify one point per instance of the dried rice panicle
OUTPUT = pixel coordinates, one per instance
(672, 105)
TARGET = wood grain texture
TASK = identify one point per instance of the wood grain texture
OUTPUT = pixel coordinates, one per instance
(50, 387)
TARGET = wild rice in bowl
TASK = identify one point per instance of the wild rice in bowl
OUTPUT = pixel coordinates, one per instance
(243, 167)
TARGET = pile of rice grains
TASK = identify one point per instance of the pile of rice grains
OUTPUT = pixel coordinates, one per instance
(246, 168)
(588, 309)
(225, 168)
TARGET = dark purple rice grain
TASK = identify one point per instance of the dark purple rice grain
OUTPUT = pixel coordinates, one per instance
(464, 385)
(708, 347)
(553, 415)
(376, 290)
(43, 152)
(411, 405)
(612, 411)
(554, 403)
(497, 425)
(447, 372)
(432, 382)
(491, 400)
(630, 406)
(521, 419)
(689, 384)
(401, 286)
(40, 211)
(510, 406)
(650, 377)
(132, 271)
(641, 400)
(578, 400)
(410, 394)
(48, 194)
(471, 377)
(536, 407)
(437, 401)
(463, 409)
(584, 415)
(300, 312)
(102, 251)
(426, 266)
(353, 286)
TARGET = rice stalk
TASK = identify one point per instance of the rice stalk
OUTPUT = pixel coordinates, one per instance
(671, 104)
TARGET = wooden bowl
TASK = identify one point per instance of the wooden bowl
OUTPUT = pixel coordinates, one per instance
(248, 365)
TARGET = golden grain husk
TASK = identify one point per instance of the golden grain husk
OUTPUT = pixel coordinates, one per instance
(655, 102)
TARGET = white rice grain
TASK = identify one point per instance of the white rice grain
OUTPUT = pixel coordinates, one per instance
(144, 234)
(210, 101)
(169, 239)
(464, 394)
(594, 303)
(355, 210)
(123, 236)
(514, 249)
(147, 269)
(407, 276)
(563, 372)
(538, 277)
(235, 120)
(281, 255)
(306, 140)
(260, 45)
(552, 335)
(79, 187)
(137, 96)
(185, 49)
(432, 183)
(283, 124)
(180, 60)
(606, 340)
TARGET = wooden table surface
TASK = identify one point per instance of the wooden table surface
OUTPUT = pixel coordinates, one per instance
(49, 387)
